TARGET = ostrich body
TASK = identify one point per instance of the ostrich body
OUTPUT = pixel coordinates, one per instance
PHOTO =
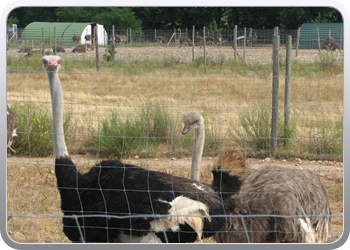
(210, 39)
(184, 41)
(76, 38)
(272, 191)
(11, 127)
(199, 40)
(158, 207)
(251, 39)
(160, 39)
(88, 38)
(219, 40)
(121, 39)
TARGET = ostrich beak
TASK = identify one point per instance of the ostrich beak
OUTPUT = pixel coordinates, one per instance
(188, 128)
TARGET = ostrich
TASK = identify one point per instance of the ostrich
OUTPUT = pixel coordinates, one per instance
(76, 38)
(211, 40)
(58, 49)
(199, 40)
(121, 39)
(11, 127)
(117, 202)
(251, 39)
(160, 39)
(272, 191)
(88, 38)
(268, 190)
(184, 41)
(219, 40)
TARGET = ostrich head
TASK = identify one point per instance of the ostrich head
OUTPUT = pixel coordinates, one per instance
(192, 120)
(51, 63)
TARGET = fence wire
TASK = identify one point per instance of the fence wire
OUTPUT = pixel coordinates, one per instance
(139, 118)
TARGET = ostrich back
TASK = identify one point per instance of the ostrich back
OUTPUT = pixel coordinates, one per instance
(278, 191)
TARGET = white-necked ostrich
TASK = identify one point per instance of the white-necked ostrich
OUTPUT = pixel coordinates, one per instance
(157, 207)
(279, 191)
(267, 191)
(11, 127)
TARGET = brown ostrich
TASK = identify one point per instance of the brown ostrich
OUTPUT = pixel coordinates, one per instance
(184, 41)
(160, 39)
(76, 38)
(276, 192)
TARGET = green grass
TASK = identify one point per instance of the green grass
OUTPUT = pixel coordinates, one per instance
(34, 129)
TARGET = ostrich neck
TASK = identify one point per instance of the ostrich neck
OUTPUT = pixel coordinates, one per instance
(59, 145)
(197, 151)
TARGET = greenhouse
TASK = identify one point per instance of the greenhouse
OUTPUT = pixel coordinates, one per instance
(64, 32)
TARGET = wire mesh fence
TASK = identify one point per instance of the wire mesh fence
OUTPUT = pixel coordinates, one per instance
(141, 45)
(138, 118)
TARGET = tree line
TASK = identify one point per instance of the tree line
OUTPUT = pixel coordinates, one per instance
(178, 17)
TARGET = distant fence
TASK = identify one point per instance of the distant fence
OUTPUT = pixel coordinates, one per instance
(261, 37)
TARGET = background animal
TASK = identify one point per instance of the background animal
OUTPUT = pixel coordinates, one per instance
(121, 39)
(184, 41)
(274, 190)
(160, 39)
(59, 49)
(76, 38)
(88, 38)
(11, 127)
(252, 39)
(199, 40)
(173, 209)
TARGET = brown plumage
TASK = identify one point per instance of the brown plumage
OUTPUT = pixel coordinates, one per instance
(275, 190)
(11, 127)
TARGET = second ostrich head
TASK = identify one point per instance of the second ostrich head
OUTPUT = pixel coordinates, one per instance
(194, 120)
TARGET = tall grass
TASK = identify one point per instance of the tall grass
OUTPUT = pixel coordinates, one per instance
(35, 129)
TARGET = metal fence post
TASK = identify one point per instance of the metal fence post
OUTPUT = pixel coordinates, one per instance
(287, 93)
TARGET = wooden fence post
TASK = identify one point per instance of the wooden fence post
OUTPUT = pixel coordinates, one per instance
(55, 40)
(297, 47)
(275, 86)
(235, 43)
(287, 92)
(318, 40)
(96, 49)
(43, 42)
(204, 44)
(244, 43)
(193, 44)
(113, 35)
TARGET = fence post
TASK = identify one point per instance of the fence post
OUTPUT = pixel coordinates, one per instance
(55, 40)
(298, 37)
(235, 43)
(318, 40)
(275, 86)
(193, 44)
(113, 36)
(155, 37)
(287, 93)
(204, 44)
(130, 38)
(96, 49)
(341, 38)
(43, 42)
(244, 43)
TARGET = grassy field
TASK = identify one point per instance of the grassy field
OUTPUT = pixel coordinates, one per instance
(140, 106)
